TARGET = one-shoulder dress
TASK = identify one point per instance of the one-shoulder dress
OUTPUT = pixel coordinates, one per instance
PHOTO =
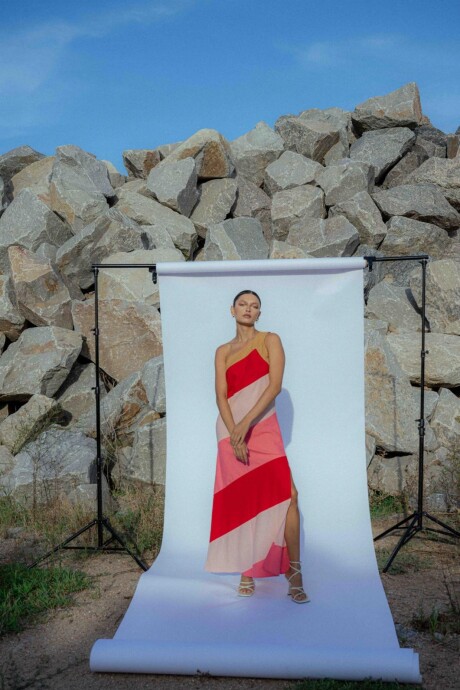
(250, 501)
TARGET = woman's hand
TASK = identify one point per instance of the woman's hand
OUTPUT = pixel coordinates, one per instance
(239, 433)
(241, 452)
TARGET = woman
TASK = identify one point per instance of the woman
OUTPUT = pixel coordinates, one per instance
(255, 526)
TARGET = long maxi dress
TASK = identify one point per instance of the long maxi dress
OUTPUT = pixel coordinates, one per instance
(250, 501)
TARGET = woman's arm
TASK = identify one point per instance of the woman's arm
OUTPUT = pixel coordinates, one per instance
(240, 448)
(277, 360)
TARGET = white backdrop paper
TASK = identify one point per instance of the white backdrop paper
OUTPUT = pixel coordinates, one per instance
(183, 620)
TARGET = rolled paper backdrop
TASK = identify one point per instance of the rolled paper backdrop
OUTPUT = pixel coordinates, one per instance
(183, 620)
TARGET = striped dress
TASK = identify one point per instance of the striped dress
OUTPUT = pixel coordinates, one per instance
(250, 501)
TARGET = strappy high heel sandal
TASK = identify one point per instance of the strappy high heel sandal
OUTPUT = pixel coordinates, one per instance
(300, 590)
(246, 585)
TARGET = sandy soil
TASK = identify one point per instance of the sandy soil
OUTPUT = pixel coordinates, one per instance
(54, 653)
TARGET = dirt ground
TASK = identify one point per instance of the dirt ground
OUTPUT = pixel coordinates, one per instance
(54, 653)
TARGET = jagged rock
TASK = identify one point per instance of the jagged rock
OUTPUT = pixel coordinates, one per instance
(329, 237)
(445, 172)
(11, 320)
(237, 238)
(152, 376)
(313, 138)
(399, 172)
(76, 395)
(15, 160)
(74, 196)
(56, 463)
(149, 212)
(453, 146)
(290, 170)
(382, 148)
(442, 364)
(431, 141)
(291, 208)
(390, 405)
(46, 251)
(370, 449)
(42, 297)
(111, 232)
(147, 463)
(399, 108)
(116, 178)
(86, 164)
(211, 152)
(216, 201)
(253, 202)
(6, 461)
(121, 324)
(342, 120)
(165, 149)
(375, 325)
(393, 475)
(139, 162)
(362, 212)
(344, 179)
(422, 238)
(29, 222)
(442, 305)
(284, 250)
(134, 284)
(3, 199)
(445, 421)
(22, 426)
(158, 237)
(423, 202)
(393, 304)
(174, 184)
(253, 151)
(38, 362)
(35, 177)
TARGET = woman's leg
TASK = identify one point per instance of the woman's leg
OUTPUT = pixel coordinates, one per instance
(292, 537)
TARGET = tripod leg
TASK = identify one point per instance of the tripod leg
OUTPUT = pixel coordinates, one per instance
(450, 530)
(390, 529)
(63, 544)
(408, 534)
(109, 527)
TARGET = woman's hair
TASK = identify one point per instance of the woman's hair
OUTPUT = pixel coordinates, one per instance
(245, 292)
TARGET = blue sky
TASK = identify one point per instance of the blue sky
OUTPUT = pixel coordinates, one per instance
(119, 74)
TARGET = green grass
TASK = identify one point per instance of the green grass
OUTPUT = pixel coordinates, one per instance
(25, 594)
(405, 561)
(330, 684)
(383, 505)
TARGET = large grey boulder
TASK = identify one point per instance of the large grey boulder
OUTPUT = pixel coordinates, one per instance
(30, 420)
(313, 138)
(38, 362)
(174, 184)
(115, 177)
(88, 165)
(382, 148)
(139, 162)
(12, 321)
(395, 305)
(284, 250)
(362, 212)
(291, 208)
(253, 202)
(29, 222)
(211, 152)
(134, 284)
(74, 196)
(421, 237)
(216, 201)
(147, 462)
(149, 212)
(445, 421)
(342, 180)
(399, 108)
(442, 364)
(423, 202)
(111, 232)
(325, 237)
(342, 120)
(42, 296)
(444, 172)
(121, 323)
(290, 170)
(237, 238)
(390, 404)
(153, 378)
(431, 141)
(76, 396)
(442, 306)
(58, 462)
(399, 172)
(15, 160)
(34, 177)
(253, 151)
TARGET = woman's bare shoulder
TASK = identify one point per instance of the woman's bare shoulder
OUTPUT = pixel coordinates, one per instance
(223, 349)
(272, 337)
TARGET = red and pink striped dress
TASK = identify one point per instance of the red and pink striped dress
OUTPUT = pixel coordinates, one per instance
(250, 501)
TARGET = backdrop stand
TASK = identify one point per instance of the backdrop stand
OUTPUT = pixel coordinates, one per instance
(414, 521)
(100, 521)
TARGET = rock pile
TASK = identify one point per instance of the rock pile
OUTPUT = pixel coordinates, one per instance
(379, 180)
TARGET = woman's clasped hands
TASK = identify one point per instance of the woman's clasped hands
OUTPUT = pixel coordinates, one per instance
(238, 443)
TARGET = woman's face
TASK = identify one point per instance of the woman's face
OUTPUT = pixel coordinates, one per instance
(247, 309)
